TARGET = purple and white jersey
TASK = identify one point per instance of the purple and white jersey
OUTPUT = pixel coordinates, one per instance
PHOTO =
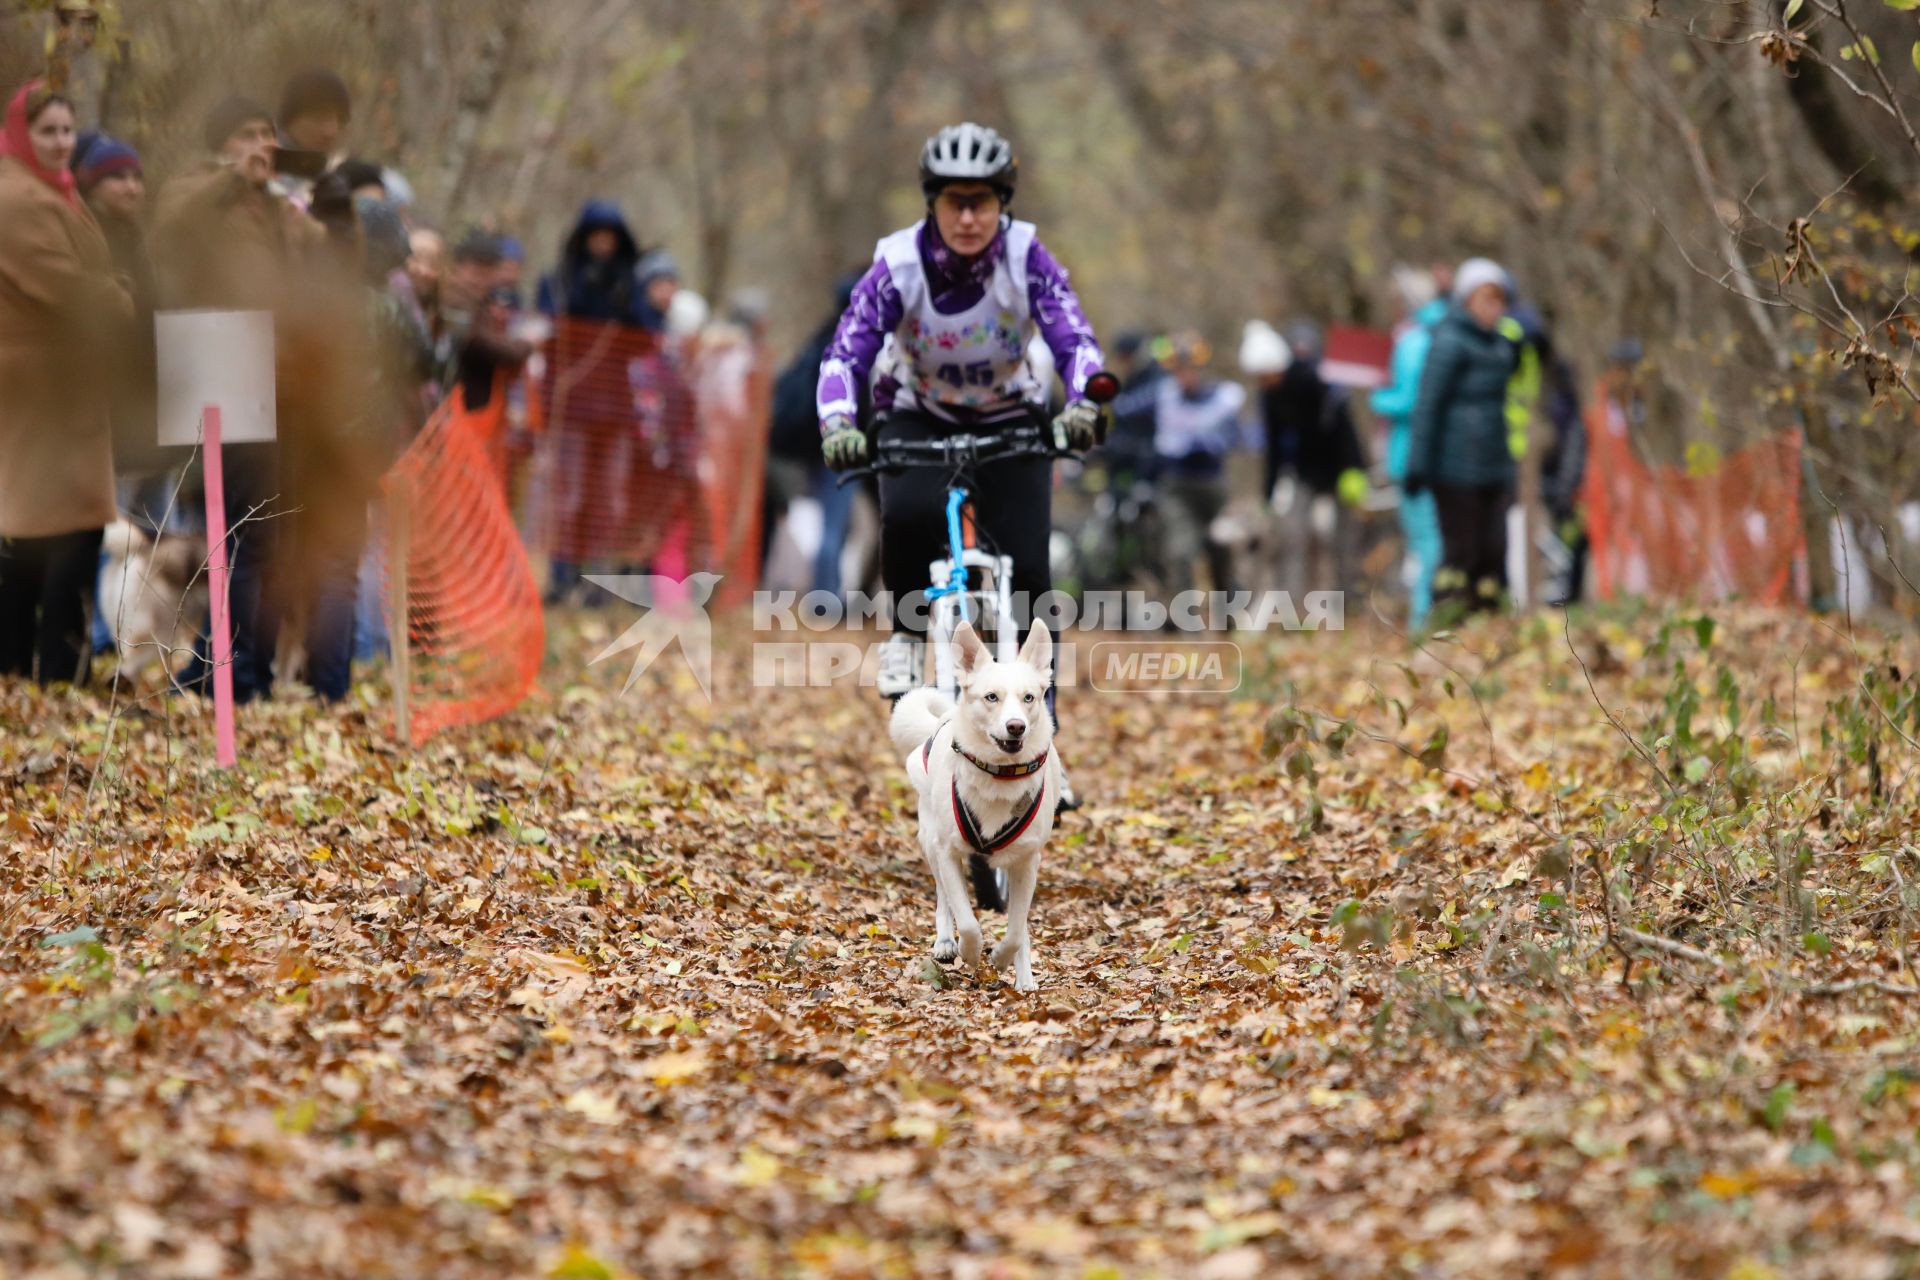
(961, 327)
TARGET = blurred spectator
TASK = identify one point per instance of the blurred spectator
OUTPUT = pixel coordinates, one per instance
(330, 204)
(751, 308)
(393, 412)
(403, 353)
(315, 109)
(223, 238)
(425, 266)
(399, 190)
(61, 313)
(111, 179)
(363, 178)
(1129, 444)
(794, 465)
(513, 263)
(1458, 442)
(592, 414)
(1419, 522)
(474, 350)
(1196, 422)
(838, 504)
(1618, 389)
(337, 437)
(1563, 469)
(1315, 469)
(687, 315)
(1616, 418)
(659, 282)
(113, 183)
(596, 278)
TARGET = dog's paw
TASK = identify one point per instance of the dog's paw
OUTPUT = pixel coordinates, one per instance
(1004, 954)
(945, 949)
(1025, 983)
(970, 946)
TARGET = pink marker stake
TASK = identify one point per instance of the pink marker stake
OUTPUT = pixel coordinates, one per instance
(224, 752)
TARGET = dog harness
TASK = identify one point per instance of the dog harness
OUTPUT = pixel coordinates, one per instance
(970, 826)
(963, 816)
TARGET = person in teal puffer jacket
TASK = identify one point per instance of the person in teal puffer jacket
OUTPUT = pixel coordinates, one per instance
(1419, 525)
(1457, 444)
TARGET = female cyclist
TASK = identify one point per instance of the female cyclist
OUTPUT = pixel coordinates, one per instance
(962, 293)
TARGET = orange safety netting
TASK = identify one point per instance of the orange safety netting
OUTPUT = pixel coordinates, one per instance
(653, 453)
(1730, 526)
(475, 629)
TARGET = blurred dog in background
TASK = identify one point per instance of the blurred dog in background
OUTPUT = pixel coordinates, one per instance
(153, 595)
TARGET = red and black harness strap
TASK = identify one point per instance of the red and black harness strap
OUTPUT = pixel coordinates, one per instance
(970, 826)
(963, 816)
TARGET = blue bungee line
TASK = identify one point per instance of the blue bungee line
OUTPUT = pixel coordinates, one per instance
(957, 579)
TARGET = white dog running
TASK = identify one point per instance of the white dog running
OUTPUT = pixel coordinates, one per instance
(988, 781)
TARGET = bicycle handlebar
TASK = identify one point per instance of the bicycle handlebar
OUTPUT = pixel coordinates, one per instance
(1031, 439)
(962, 448)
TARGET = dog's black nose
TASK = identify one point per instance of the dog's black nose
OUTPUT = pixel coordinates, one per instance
(1016, 728)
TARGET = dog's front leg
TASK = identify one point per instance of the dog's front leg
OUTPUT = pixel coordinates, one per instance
(1017, 946)
(944, 946)
(953, 887)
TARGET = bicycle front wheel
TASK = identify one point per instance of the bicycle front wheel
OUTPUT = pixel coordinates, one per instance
(989, 886)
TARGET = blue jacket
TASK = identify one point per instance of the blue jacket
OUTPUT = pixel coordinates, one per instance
(1458, 434)
(1395, 401)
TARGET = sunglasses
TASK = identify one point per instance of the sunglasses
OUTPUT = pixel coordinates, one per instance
(979, 202)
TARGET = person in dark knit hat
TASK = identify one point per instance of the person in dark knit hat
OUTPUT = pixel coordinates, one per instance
(112, 181)
(315, 109)
(106, 160)
(228, 117)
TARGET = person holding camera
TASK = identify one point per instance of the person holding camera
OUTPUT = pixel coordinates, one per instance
(225, 239)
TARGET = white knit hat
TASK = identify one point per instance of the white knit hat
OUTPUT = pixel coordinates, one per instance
(687, 314)
(1263, 350)
(1475, 272)
(1416, 287)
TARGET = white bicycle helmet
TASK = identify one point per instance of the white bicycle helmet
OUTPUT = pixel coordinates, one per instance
(968, 153)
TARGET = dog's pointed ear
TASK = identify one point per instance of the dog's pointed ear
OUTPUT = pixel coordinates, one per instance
(1037, 652)
(969, 654)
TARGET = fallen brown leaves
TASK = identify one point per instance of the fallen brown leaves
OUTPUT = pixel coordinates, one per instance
(640, 988)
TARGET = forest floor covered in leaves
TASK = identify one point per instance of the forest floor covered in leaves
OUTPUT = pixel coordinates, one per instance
(1397, 963)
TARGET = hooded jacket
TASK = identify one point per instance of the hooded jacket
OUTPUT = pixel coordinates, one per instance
(591, 288)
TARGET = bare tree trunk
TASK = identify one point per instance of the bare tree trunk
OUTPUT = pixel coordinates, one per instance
(713, 210)
(479, 92)
(541, 132)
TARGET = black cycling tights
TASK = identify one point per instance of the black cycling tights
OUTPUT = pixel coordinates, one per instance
(1012, 510)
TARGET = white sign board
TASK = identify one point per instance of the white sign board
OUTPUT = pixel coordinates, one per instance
(219, 358)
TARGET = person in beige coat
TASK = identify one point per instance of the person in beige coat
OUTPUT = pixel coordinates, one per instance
(62, 316)
(225, 238)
